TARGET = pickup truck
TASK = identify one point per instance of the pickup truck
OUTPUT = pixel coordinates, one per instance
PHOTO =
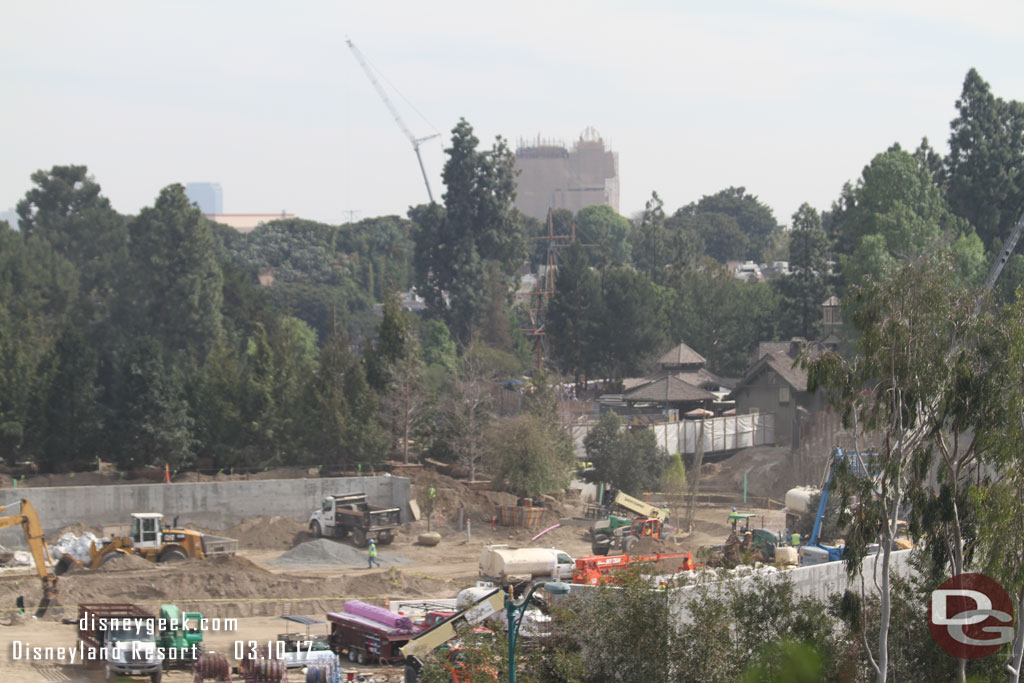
(128, 633)
(350, 513)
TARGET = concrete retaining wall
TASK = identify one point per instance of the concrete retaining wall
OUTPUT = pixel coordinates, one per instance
(817, 581)
(214, 505)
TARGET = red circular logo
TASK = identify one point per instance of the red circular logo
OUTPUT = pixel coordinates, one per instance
(971, 616)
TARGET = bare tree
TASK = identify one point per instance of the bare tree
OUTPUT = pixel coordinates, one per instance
(470, 411)
(404, 399)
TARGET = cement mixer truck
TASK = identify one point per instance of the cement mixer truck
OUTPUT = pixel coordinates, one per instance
(507, 566)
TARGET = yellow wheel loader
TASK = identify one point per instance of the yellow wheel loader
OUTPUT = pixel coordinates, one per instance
(150, 539)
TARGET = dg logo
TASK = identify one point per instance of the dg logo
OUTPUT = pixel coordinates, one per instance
(971, 616)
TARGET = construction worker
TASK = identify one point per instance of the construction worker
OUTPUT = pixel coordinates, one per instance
(733, 519)
(795, 541)
(372, 555)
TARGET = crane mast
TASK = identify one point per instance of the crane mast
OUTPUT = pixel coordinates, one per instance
(394, 113)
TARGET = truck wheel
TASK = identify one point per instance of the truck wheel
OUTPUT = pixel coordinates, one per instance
(385, 537)
(359, 538)
(628, 542)
(600, 544)
(314, 528)
(156, 676)
(351, 655)
(171, 556)
(362, 658)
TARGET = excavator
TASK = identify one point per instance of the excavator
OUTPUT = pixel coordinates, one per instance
(29, 521)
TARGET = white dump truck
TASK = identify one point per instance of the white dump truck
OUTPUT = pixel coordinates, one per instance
(505, 565)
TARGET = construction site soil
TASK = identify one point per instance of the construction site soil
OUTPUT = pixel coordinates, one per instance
(281, 569)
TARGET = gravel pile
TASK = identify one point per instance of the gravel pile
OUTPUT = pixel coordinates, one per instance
(325, 552)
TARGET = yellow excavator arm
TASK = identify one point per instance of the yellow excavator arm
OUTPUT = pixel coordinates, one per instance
(29, 521)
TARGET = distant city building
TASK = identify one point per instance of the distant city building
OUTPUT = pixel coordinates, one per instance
(247, 222)
(554, 177)
(207, 196)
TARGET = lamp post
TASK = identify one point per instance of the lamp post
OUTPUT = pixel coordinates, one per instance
(514, 614)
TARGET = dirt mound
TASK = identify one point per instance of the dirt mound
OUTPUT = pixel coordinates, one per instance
(480, 507)
(276, 473)
(123, 561)
(73, 479)
(649, 546)
(229, 587)
(396, 582)
(768, 470)
(325, 552)
(268, 533)
(228, 563)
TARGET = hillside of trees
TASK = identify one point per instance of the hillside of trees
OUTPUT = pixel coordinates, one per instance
(147, 339)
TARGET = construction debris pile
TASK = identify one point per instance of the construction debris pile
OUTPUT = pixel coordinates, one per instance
(327, 553)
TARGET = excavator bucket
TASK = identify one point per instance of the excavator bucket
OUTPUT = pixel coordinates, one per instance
(65, 564)
(50, 606)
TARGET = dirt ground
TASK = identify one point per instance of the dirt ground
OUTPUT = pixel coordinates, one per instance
(253, 591)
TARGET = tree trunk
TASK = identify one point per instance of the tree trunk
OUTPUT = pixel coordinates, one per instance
(958, 556)
(698, 459)
(405, 425)
(1013, 664)
(885, 599)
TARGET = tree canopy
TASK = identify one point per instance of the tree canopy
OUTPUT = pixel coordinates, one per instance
(476, 225)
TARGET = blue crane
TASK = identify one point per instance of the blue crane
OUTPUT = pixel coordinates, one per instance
(815, 552)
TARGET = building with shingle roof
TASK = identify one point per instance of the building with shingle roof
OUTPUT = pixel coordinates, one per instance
(681, 355)
(775, 383)
(681, 384)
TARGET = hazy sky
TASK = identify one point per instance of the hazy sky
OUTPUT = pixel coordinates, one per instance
(789, 99)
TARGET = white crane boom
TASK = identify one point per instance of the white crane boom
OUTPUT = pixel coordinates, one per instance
(394, 112)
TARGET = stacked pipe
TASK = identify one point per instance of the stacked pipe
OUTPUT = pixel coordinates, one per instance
(211, 666)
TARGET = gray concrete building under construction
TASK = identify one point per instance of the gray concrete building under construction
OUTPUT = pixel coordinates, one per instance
(552, 176)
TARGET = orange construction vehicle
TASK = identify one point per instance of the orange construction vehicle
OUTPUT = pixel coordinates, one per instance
(29, 521)
(598, 569)
(624, 538)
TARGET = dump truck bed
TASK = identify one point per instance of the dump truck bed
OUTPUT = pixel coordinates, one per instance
(219, 545)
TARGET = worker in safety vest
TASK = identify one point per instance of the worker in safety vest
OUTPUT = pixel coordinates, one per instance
(795, 540)
(372, 555)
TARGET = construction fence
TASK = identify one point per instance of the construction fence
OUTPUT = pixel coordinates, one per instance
(719, 434)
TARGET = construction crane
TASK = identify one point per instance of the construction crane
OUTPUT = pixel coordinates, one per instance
(394, 112)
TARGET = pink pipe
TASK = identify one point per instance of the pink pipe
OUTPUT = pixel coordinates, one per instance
(545, 531)
(378, 614)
